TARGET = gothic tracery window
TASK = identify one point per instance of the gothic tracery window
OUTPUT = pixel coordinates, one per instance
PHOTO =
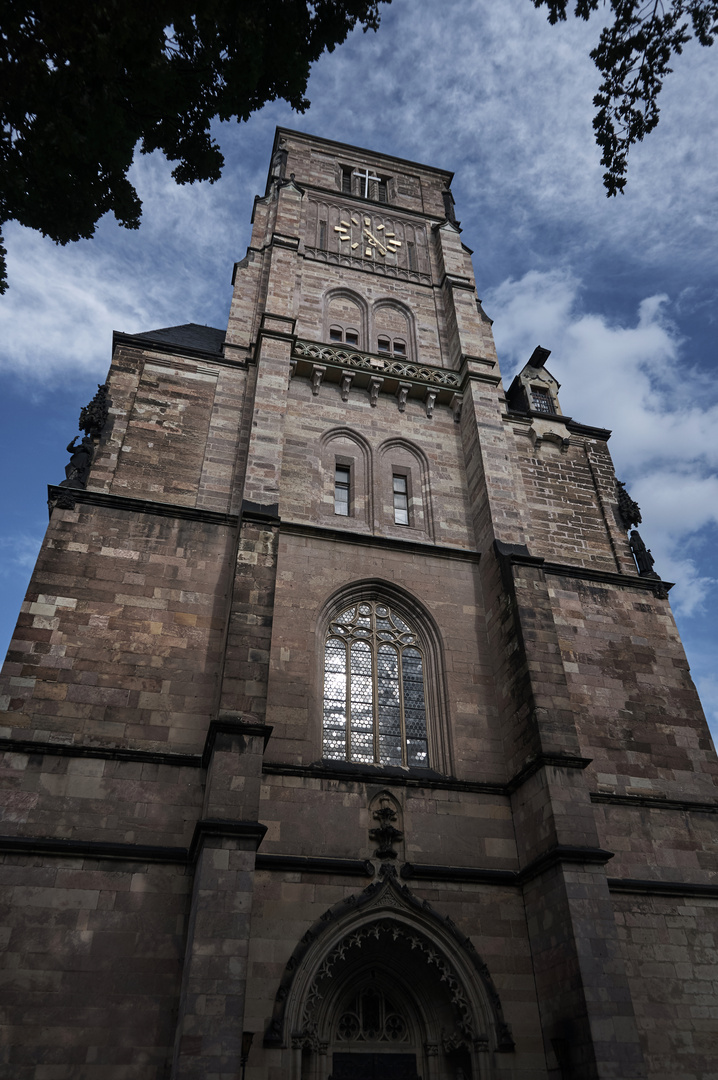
(374, 696)
(372, 1017)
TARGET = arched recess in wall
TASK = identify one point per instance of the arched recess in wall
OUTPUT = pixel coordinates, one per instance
(421, 626)
(342, 447)
(393, 330)
(346, 318)
(383, 972)
(401, 458)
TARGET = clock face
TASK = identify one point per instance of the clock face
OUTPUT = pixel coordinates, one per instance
(357, 234)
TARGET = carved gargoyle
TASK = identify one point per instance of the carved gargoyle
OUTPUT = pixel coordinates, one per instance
(628, 509)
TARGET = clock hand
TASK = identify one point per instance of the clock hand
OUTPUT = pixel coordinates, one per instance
(373, 240)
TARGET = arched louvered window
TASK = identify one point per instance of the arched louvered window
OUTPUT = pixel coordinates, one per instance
(374, 693)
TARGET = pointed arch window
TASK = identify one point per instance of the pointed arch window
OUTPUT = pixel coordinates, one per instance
(374, 688)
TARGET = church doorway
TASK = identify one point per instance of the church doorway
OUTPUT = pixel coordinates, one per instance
(370, 1066)
(383, 988)
(383, 1012)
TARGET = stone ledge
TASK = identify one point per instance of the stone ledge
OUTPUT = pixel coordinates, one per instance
(309, 864)
(225, 724)
(654, 802)
(109, 753)
(519, 555)
(382, 774)
(61, 847)
(140, 506)
(146, 345)
(441, 551)
(662, 888)
(92, 849)
(558, 760)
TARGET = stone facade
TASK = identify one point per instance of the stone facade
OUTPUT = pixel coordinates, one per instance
(183, 863)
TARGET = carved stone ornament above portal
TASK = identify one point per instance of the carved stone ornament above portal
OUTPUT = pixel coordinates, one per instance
(385, 811)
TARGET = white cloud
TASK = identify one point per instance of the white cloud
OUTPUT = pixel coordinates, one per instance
(630, 378)
(19, 553)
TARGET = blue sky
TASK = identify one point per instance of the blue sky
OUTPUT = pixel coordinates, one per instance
(622, 291)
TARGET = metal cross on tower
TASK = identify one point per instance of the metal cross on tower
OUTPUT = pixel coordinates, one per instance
(366, 177)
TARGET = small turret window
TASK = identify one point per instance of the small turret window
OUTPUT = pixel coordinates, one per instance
(541, 400)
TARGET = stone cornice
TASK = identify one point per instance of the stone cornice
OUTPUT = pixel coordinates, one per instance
(649, 887)
(133, 341)
(249, 832)
(383, 774)
(519, 555)
(558, 855)
(369, 155)
(309, 864)
(223, 725)
(140, 506)
(106, 753)
(655, 802)
(342, 536)
(541, 761)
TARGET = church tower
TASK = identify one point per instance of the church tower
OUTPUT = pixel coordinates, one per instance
(347, 734)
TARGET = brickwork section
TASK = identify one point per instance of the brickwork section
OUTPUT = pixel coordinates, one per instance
(211, 1008)
(92, 958)
(118, 604)
(439, 827)
(249, 636)
(140, 629)
(586, 1010)
(670, 953)
(375, 440)
(638, 713)
(80, 798)
(172, 436)
(568, 522)
(659, 843)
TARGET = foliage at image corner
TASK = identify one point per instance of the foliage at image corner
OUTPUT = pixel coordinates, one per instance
(633, 54)
(84, 84)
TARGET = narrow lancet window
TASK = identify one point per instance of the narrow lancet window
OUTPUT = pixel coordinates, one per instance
(401, 500)
(342, 488)
(374, 696)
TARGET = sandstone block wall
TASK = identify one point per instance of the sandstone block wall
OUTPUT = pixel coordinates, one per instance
(162, 698)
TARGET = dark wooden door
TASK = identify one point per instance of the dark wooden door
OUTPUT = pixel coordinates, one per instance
(374, 1067)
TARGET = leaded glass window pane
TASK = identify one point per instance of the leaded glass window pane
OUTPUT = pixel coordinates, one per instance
(335, 699)
(374, 712)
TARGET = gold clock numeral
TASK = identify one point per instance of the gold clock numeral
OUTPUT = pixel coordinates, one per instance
(381, 227)
(355, 220)
(354, 247)
(367, 221)
(368, 252)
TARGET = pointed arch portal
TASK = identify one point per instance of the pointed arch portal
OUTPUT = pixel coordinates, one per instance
(384, 988)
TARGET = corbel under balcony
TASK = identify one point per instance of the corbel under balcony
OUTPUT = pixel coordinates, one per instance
(399, 378)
